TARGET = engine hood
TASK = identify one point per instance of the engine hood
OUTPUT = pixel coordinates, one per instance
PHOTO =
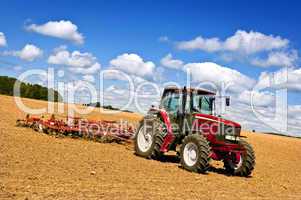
(212, 118)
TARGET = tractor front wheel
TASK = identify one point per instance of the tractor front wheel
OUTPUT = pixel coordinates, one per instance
(148, 140)
(195, 153)
(241, 164)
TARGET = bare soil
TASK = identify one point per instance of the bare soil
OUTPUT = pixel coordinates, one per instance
(38, 166)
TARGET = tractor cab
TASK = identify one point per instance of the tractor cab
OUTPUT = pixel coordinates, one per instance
(180, 101)
(184, 105)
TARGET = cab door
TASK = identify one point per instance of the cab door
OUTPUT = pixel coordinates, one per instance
(172, 103)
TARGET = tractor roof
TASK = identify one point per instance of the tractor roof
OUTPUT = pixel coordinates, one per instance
(189, 90)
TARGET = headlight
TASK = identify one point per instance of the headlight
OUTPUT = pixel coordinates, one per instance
(231, 137)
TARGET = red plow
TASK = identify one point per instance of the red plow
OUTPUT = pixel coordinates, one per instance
(76, 127)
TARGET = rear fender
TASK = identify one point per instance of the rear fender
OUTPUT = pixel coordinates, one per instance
(170, 136)
(163, 115)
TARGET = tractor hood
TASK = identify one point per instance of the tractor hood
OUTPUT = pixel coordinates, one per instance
(211, 118)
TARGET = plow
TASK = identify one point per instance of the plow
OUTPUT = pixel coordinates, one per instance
(76, 127)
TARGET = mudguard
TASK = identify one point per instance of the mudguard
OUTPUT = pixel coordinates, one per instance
(168, 139)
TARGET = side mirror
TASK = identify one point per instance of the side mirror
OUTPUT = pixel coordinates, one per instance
(227, 101)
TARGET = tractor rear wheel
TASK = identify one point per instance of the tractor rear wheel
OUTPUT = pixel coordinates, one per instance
(195, 153)
(241, 164)
(149, 139)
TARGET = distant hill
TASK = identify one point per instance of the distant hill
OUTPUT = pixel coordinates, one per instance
(33, 91)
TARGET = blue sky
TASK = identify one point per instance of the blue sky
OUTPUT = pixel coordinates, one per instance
(151, 30)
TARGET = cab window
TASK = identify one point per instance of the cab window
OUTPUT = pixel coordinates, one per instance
(206, 106)
(202, 104)
(171, 102)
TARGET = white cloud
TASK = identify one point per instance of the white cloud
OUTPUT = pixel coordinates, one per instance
(266, 121)
(117, 90)
(256, 98)
(74, 59)
(78, 86)
(87, 70)
(242, 42)
(218, 75)
(61, 29)
(205, 44)
(2, 40)
(169, 62)
(84, 63)
(89, 78)
(294, 114)
(133, 64)
(282, 59)
(163, 39)
(114, 75)
(253, 42)
(138, 79)
(29, 52)
(289, 78)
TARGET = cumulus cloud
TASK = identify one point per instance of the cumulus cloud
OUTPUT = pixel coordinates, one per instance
(133, 64)
(60, 29)
(218, 75)
(294, 112)
(205, 44)
(281, 59)
(89, 78)
(169, 62)
(2, 40)
(114, 75)
(245, 116)
(253, 42)
(29, 52)
(83, 63)
(288, 78)
(256, 98)
(117, 90)
(242, 42)
(84, 92)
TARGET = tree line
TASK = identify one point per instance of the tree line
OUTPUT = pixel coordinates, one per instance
(27, 90)
(109, 107)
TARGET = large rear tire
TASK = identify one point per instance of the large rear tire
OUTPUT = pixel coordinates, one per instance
(195, 153)
(244, 165)
(149, 139)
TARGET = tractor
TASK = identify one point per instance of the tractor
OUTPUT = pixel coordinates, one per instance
(186, 122)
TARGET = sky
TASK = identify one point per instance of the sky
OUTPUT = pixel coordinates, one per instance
(250, 44)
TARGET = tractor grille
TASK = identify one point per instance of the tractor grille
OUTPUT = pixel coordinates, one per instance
(229, 130)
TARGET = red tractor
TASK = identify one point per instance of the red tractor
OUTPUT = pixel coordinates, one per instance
(185, 122)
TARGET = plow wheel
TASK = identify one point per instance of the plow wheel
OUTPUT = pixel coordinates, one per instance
(149, 139)
(241, 164)
(20, 123)
(35, 126)
(51, 131)
(41, 128)
(61, 132)
(195, 153)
